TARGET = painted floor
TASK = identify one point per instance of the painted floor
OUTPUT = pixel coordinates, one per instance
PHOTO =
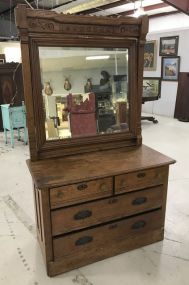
(161, 263)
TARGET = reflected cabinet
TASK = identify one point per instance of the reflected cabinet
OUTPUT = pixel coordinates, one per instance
(98, 191)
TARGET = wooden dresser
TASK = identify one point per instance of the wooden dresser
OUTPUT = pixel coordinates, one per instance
(107, 203)
(100, 194)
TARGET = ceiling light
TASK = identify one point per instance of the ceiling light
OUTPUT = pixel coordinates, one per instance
(97, 57)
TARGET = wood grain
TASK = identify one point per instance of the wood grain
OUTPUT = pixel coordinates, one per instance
(94, 213)
(80, 192)
(104, 236)
(62, 265)
(54, 172)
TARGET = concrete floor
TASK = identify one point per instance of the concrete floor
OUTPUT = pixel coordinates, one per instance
(162, 263)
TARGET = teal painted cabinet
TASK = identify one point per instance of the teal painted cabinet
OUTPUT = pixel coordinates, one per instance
(14, 118)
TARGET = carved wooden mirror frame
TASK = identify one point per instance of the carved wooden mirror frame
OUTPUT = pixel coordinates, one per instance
(47, 28)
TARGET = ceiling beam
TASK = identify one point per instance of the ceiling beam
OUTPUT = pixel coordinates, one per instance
(105, 7)
(182, 5)
(163, 14)
(146, 9)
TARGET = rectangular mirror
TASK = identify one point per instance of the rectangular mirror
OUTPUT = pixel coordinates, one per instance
(85, 91)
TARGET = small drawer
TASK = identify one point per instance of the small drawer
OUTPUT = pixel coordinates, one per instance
(140, 179)
(81, 192)
(89, 214)
(104, 236)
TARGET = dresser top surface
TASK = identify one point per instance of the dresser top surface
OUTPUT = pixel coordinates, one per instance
(72, 169)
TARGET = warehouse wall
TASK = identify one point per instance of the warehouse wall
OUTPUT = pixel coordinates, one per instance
(175, 25)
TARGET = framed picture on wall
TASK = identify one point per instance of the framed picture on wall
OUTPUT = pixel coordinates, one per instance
(170, 68)
(150, 55)
(151, 88)
(2, 58)
(169, 46)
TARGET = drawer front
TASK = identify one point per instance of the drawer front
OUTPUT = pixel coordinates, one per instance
(81, 192)
(93, 213)
(103, 236)
(140, 179)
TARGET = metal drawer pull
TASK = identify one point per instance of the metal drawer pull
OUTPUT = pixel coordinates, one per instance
(139, 201)
(84, 240)
(82, 215)
(141, 174)
(112, 201)
(138, 225)
(82, 187)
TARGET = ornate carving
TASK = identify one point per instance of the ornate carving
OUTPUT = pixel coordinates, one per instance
(44, 25)
(122, 30)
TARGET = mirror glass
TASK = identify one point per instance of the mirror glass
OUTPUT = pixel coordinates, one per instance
(85, 91)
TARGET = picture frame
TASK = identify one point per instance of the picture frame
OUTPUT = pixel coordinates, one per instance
(170, 68)
(2, 58)
(151, 88)
(169, 46)
(150, 55)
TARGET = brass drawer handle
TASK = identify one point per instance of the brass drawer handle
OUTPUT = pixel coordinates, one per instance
(139, 201)
(83, 240)
(138, 225)
(82, 215)
(141, 175)
(82, 187)
(113, 201)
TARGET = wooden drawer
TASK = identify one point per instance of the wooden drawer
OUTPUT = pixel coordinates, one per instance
(140, 179)
(81, 192)
(93, 213)
(104, 236)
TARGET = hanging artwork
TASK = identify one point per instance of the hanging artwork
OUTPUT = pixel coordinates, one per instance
(150, 56)
(67, 84)
(48, 89)
(170, 68)
(88, 86)
(169, 46)
(151, 88)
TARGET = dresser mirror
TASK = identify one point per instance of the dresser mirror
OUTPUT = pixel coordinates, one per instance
(85, 91)
(82, 81)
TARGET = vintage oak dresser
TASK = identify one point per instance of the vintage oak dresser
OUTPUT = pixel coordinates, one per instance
(96, 195)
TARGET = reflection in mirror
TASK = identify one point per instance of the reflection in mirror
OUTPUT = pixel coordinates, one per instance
(85, 91)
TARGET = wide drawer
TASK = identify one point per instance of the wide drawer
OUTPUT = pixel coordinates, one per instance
(140, 179)
(103, 236)
(93, 213)
(76, 193)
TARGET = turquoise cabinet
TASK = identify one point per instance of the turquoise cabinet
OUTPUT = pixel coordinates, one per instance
(14, 118)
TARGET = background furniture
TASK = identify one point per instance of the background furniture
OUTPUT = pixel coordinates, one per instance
(82, 116)
(11, 85)
(182, 101)
(14, 118)
(99, 196)
(149, 118)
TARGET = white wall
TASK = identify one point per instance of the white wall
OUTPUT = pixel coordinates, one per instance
(11, 50)
(174, 25)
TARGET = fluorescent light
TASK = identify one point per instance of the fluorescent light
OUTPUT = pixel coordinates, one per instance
(97, 57)
(12, 54)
